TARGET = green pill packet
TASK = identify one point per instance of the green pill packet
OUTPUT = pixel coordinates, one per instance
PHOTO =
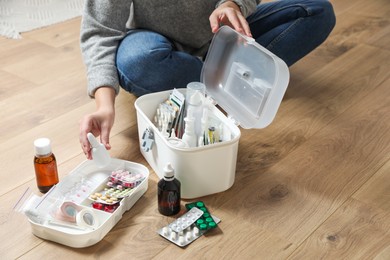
(205, 222)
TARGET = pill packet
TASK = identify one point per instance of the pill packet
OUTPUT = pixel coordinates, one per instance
(186, 220)
(205, 222)
(125, 179)
(101, 197)
(186, 236)
(118, 193)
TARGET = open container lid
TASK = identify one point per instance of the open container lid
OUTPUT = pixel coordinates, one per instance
(246, 80)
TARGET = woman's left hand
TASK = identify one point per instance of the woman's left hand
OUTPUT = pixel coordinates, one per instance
(229, 14)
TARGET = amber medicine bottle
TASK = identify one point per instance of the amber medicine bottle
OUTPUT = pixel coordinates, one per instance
(45, 165)
(168, 194)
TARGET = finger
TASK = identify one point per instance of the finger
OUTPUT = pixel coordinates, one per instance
(105, 138)
(89, 155)
(214, 22)
(84, 129)
(231, 18)
(245, 25)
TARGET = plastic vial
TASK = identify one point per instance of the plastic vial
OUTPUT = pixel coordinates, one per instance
(45, 165)
(168, 194)
(195, 95)
(189, 136)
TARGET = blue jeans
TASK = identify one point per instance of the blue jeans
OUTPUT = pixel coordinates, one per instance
(288, 28)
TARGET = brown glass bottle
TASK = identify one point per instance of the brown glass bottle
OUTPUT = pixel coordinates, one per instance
(168, 195)
(45, 165)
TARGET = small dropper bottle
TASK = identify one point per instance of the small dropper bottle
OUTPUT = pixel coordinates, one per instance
(189, 136)
(168, 195)
(45, 165)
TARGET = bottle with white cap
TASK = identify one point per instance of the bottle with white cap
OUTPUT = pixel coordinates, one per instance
(189, 137)
(195, 96)
(45, 165)
(168, 195)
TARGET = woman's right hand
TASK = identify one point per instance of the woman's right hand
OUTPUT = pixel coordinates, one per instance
(100, 122)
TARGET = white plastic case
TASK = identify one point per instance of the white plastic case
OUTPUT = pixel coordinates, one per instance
(97, 178)
(249, 83)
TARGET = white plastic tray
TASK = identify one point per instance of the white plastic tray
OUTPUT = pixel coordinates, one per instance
(79, 238)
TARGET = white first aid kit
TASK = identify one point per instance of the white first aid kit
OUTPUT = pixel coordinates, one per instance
(248, 82)
(88, 202)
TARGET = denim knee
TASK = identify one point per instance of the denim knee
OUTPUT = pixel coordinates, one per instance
(324, 9)
(137, 58)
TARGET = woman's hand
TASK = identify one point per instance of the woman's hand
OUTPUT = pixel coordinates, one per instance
(229, 14)
(100, 122)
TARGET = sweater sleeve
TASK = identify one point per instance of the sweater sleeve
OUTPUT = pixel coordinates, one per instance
(247, 6)
(103, 25)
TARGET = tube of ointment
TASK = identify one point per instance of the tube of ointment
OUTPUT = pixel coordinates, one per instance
(99, 153)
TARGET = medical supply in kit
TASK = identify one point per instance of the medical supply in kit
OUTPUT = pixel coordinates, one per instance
(168, 194)
(124, 179)
(183, 237)
(99, 153)
(195, 95)
(169, 113)
(200, 127)
(45, 165)
(189, 136)
(104, 207)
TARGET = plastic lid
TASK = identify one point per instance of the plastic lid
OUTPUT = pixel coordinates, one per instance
(169, 172)
(246, 80)
(42, 146)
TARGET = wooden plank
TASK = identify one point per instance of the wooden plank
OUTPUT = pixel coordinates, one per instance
(376, 191)
(44, 64)
(37, 105)
(355, 231)
(65, 33)
(12, 85)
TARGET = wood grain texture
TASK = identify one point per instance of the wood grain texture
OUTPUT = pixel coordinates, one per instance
(312, 185)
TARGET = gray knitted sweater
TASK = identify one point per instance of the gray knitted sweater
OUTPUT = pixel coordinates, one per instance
(105, 23)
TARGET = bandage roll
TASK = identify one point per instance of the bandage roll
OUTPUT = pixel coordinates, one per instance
(87, 218)
(69, 211)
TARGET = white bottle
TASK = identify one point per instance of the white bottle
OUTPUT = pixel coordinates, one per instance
(195, 95)
(189, 136)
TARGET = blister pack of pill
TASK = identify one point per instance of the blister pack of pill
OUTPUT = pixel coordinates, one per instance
(205, 221)
(191, 225)
(186, 236)
(186, 220)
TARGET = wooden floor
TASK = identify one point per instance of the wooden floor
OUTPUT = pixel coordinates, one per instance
(314, 184)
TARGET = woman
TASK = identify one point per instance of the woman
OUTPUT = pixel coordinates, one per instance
(146, 46)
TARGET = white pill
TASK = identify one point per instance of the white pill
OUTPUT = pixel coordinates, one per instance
(173, 235)
(196, 231)
(165, 231)
(181, 240)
